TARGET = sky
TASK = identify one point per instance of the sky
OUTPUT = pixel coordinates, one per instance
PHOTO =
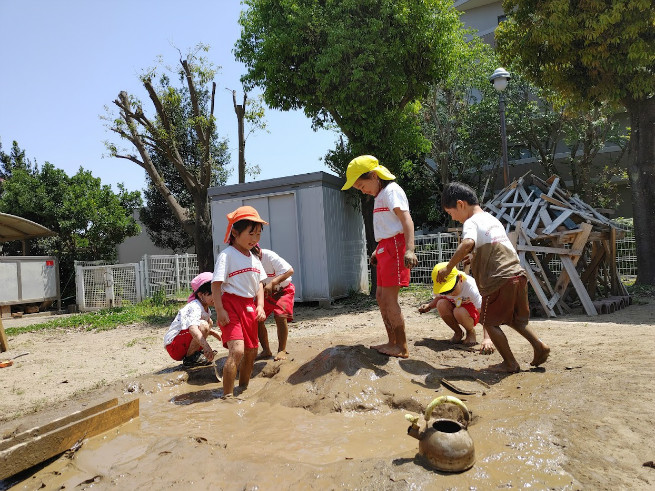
(63, 61)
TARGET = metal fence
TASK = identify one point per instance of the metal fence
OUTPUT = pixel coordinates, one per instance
(100, 286)
(435, 248)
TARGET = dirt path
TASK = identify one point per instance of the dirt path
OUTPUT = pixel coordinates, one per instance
(332, 416)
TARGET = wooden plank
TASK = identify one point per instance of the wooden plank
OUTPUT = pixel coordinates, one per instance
(536, 286)
(57, 423)
(554, 201)
(550, 250)
(615, 278)
(533, 209)
(579, 287)
(553, 186)
(579, 243)
(4, 344)
(557, 222)
(36, 450)
(545, 216)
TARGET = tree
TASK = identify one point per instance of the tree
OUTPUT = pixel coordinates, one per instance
(254, 116)
(89, 218)
(360, 64)
(594, 52)
(15, 159)
(174, 128)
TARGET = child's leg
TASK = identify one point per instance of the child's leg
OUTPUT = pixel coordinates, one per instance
(195, 345)
(246, 366)
(262, 333)
(541, 349)
(464, 319)
(499, 339)
(234, 357)
(392, 316)
(282, 335)
(446, 310)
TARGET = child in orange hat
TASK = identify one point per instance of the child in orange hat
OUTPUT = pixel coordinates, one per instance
(458, 301)
(238, 295)
(186, 338)
(394, 255)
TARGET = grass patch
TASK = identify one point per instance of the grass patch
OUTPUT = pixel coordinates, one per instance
(158, 313)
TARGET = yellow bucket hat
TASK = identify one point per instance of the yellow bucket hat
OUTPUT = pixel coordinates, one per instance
(363, 164)
(447, 285)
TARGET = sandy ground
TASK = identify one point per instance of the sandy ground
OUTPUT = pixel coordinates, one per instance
(332, 415)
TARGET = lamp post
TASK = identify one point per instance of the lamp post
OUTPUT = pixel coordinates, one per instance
(499, 79)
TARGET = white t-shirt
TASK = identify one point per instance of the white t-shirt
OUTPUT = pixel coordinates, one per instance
(239, 273)
(469, 292)
(189, 315)
(274, 266)
(494, 260)
(385, 222)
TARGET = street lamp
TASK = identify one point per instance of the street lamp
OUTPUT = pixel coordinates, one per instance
(499, 79)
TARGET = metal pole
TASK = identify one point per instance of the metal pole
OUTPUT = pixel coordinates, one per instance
(503, 138)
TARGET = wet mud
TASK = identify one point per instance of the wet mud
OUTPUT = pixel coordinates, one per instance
(332, 417)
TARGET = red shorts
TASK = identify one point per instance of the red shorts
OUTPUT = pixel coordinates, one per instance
(391, 270)
(280, 304)
(180, 345)
(473, 312)
(243, 320)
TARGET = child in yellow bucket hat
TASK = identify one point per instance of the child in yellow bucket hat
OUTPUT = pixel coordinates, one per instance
(394, 255)
(458, 301)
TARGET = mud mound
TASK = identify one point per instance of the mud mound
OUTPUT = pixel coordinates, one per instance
(341, 379)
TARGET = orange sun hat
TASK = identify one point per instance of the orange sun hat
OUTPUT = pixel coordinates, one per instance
(241, 213)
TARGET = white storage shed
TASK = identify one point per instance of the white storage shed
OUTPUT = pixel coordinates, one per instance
(311, 225)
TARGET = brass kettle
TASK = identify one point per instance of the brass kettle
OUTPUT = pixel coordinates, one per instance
(447, 444)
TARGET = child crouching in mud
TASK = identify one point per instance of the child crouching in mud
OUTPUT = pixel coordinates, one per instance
(497, 270)
(238, 295)
(458, 301)
(186, 338)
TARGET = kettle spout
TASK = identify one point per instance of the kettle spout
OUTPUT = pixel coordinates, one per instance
(413, 431)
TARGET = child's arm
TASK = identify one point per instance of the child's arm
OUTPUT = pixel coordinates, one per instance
(464, 248)
(408, 230)
(207, 350)
(261, 316)
(272, 285)
(222, 318)
(427, 307)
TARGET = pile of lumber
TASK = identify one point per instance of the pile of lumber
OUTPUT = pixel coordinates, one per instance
(550, 227)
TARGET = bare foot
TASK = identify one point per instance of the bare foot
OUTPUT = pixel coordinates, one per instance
(487, 347)
(380, 347)
(540, 355)
(456, 339)
(281, 355)
(394, 350)
(264, 355)
(503, 368)
(470, 338)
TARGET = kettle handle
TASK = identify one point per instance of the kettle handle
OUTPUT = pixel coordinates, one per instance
(442, 400)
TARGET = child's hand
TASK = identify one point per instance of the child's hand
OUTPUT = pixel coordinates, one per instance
(442, 273)
(222, 318)
(268, 289)
(261, 316)
(410, 259)
(424, 308)
(216, 334)
(374, 259)
(208, 352)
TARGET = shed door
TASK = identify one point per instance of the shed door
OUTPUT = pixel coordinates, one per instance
(281, 234)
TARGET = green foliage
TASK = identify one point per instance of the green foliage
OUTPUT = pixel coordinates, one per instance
(89, 218)
(359, 64)
(15, 159)
(146, 312)
(592, 51)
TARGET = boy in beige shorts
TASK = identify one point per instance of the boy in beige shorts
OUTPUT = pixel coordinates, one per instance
(497, 271)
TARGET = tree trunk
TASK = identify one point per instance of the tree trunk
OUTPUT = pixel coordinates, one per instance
(202, 234)
(641, 171)
(367, 213)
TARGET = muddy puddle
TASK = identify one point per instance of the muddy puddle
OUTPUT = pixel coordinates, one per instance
(332, 420)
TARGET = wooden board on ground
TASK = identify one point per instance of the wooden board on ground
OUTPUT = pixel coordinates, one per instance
(25, 450)
(4, 345)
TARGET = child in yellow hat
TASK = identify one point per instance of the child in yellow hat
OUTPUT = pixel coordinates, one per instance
(394, 255)
(458, 301)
